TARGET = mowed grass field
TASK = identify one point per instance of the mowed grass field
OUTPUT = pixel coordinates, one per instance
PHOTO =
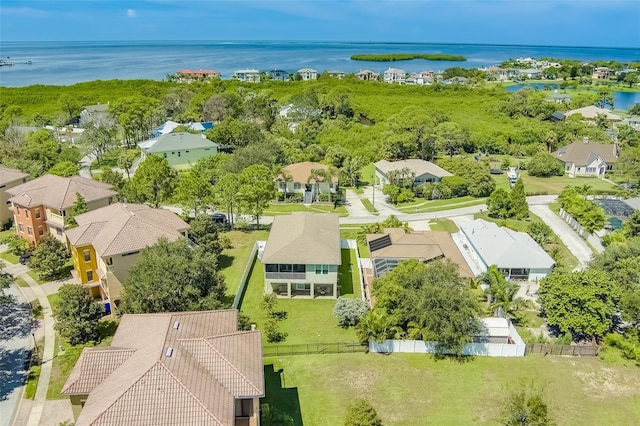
(415, 389)
(554, 184)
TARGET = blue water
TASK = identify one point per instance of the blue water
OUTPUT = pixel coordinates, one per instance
(72, 62)
(621, 100)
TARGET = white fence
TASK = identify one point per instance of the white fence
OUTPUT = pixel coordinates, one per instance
(589, 237)
(353, 245)
(478, 349)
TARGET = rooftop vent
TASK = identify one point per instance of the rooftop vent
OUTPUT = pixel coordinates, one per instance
(169, 352)
(585, 139)
(176, 325)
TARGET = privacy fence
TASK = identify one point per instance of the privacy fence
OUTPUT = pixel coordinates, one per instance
(565, 350)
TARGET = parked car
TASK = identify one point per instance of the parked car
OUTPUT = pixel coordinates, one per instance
(25, 258)
(220, 218)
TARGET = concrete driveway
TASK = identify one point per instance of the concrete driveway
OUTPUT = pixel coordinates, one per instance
(574, 243)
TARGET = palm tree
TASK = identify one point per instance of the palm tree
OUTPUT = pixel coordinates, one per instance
(376, 325)
(317, 176)
(283, 175)
(500, 292)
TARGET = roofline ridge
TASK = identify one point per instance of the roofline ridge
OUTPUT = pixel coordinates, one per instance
(229, 363)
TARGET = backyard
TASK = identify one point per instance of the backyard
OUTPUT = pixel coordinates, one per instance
(232, 261)
(307, 320)
(409, 389)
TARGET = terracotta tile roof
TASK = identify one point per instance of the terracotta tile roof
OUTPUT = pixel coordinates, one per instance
(582, 154)
(209, 364)
(300, 172)
(122, 228)
(59, 192)
(11, 175)
(304, 238)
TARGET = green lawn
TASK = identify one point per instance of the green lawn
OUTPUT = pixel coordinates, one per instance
(350, 232)
(33, 274)
(443, 225)
(427, 206)
(410, 389)
(34, 372)
(233, 261)
(307, 320)
(367, 174)
(276, 209)
(9, 257)
(553, 184)
(21, 282)
(367, 204)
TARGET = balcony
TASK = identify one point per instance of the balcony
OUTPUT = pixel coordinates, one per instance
(55, 218)
(286, 275)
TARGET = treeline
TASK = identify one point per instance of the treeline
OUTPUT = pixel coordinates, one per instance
(390, 57)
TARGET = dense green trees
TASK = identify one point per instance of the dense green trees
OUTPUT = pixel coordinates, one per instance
(49, 257)
(504, 205)
(544, 165)
(77, 315)
(255, 190)
(154, 181)
(478, 180)
(588, 214)
(78, 207)
(172, 277)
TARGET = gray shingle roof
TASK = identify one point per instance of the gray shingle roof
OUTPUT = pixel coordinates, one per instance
(581, 153)
(11, 175)
(304, 238)
(419, 167)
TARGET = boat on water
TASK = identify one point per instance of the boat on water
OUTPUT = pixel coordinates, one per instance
(5, 63)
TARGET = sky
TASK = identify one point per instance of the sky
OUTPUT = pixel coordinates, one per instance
(590, 23)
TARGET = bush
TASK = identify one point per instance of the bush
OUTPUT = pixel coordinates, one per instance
(17, 245)
(349, 311)
(458, 185)
(77, 315)
(50, 257)
(544, 164)
(273, 334)
(628, 346)
(361, 413)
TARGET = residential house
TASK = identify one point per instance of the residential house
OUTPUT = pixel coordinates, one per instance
(395, 75)
(497, 73)
(455, 80)
(170, 126)
(516, 254)
(396, 245)
(181, 150)
(298, 178)
(424, 171)
(106, 243)
(94, 113)
(302, 256)
(368, 75)
(178, 369)
(40, 206)
(590, 113)
(633, 122)
(191, 75)
(601, 73)
(279, 75)
(336, 74)
(530, 73)
(559, 98)
(587, 158)
(8, 179)
(308, 74)
(248, 75)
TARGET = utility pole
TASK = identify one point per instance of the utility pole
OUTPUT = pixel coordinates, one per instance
(373, 197)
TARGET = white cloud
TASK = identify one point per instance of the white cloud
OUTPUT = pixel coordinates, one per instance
(131, 13)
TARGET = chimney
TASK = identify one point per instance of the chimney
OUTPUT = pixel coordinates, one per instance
(253, 327)
(585, 139)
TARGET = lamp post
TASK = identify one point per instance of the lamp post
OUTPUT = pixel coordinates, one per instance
(373, 192)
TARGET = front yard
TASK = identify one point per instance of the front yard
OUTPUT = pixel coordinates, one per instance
(277, 209)
(307, 320)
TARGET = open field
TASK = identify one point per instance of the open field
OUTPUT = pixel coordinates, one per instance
(553, 184)
(420, 205)
(9, 257)
(232, 261)
(276, 209)
(307, 320)
(410, 389)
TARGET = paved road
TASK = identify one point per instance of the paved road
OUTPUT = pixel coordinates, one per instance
(15, 346)
(574, 243)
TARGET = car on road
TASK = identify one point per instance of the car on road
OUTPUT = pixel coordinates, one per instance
(220, 219)
(25, 258)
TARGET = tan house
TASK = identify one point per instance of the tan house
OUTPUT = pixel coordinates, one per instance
(395, 75)
(308, 74)
(601, 73)
(8, 179)
(300, 178)
(107, 241)
(302, 256)
(587, 158)
(395, 245)
(424, 171)
(41, 205)
(368, 75)
(590, 113)
(171, 369)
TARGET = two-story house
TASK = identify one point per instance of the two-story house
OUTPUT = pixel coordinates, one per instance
(302, 256)
(179, 368)
(395, 75)
(367, 75)
(308, 74)
(106, 243)
(8, 179)
(41, 205)
(307, 178)
(248, 75)
(587, 158)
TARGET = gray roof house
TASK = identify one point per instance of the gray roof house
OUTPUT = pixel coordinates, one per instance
(302, 255)
(180, 149)
(587, 158)
(182, 368)
(425, 171)
(514, 253)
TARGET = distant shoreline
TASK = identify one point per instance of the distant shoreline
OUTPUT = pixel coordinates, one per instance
(391, 57)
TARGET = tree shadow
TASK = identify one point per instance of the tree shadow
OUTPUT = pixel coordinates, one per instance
(13, 370)
(279, 396)
(224, 261)
(15, 320)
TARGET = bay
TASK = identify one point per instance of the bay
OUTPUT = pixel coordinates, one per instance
(63, 63)
(621, 100)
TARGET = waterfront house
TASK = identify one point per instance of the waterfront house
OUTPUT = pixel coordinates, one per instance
(94, 113)
(181, 150)
(591, 112)
(336, 74)
(588, 158)
(559, 98)
(530, 73)
(307, 178)
(308, 74)
(186, 76)
(601, 73)
(8, 179)
(279, 75)
(302, 255)
(395, 75)
(247, 76)
(107, 242)
(169, 127)
(515, 254)
(633, 122)
(179, 368)
(424, 171)
(367, 75)
(40, 206)
(396, 245)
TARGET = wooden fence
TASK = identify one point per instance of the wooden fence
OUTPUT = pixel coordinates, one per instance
(313, 349)
(566, 350)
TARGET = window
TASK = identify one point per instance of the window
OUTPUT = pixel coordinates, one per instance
(271, 267)
(325, 269)
(301, 287)
(318, 269)
(37, 213)
(165, 155)
(297, 185)
(21, 228)
(29, 230)
(281, 185)
(40, 230)
(299, 268)
(591, 169)
(59, 231)
(109, 261)
(87, 255)
(17, 211)
(26, 213)
(244, 407)
(286, 268)
(89, 276)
